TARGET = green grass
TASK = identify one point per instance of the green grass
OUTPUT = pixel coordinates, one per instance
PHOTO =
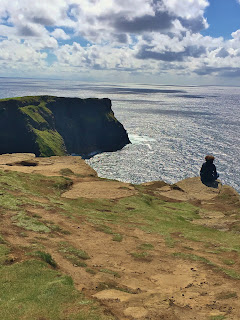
(220, 317)
(35, 113)
(39, 118)
(10, 202)
(146, 246)
(104, 228)
(141, 211)
(141, 256)
(30, 223)
(29, 184)
(4, 251)
(45, 257)
(30, 290)
(91, 271)
(66, 172)
(108, 271)
(228, 262)
(192, 257)
(66, 248)
(75, 260)
(50, 143)
(117, 237)
(226, 295)
(2, 241)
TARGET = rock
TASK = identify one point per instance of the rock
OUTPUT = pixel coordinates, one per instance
(113, 294)
(48, 125)
(190, 189)
(136, 312)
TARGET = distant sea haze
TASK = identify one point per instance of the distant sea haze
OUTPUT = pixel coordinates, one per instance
(171, 128)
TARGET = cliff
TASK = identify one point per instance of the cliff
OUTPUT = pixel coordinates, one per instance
(75, 246)
(48, 125)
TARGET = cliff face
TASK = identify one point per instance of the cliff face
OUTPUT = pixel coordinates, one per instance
(47, 125)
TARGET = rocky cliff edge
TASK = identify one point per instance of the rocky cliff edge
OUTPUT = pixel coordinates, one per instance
(48, 125)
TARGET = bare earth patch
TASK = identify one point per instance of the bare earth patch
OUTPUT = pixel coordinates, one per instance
(100, 190)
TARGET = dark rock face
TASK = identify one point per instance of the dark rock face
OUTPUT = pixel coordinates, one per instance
(47, 126)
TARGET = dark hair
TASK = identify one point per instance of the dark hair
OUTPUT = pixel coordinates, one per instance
(209, 158)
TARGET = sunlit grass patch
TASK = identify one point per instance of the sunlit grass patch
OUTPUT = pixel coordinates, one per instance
(228, 262)
(75, 260)
(231, 273)
(66, 249)
(117, 237)
(31, 290)
(29, 223)
(104, 228)
(108, 271)
(10, 202)
(32, 184)
(142, 256)
(192, 257)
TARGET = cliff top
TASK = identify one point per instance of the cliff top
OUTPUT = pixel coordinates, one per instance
(142, 251)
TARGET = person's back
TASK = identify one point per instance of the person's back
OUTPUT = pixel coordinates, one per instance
(208, 171)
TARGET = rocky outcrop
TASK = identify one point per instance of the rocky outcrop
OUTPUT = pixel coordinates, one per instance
(47, 125)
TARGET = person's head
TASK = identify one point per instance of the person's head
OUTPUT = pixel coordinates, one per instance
(209, 158)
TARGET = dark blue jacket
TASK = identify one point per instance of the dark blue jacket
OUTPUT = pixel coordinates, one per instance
(208, 172)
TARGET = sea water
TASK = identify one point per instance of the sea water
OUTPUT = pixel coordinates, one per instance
(171, 128)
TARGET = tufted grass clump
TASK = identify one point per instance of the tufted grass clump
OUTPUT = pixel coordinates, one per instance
(66, 172)
(66, 248)
(142, 256)
(111, 272)
(117, 237)
(23, 220)
(46, 257)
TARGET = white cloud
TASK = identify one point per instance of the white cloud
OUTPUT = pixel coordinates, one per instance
(147, 36)
(60, 34)
(13, 51)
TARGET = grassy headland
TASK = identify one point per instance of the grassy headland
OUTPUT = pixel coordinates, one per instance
(57, 253)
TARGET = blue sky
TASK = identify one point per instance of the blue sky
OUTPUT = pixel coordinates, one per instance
(154, 41)
(223, 17)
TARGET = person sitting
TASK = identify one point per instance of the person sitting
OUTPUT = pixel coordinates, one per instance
(208, 172)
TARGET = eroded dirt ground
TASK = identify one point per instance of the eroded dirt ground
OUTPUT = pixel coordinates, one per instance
(157, 286)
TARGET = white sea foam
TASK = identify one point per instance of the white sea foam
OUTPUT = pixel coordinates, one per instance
(136, 139)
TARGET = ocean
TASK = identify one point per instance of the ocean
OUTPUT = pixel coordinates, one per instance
(171, 128)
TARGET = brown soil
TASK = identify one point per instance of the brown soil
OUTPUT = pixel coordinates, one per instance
(163, 287)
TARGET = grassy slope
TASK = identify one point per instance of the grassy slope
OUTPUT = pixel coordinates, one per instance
(34, 288)
(38, 118)
(48, 139)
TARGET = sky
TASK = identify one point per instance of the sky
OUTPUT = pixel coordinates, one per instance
(173, 42)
